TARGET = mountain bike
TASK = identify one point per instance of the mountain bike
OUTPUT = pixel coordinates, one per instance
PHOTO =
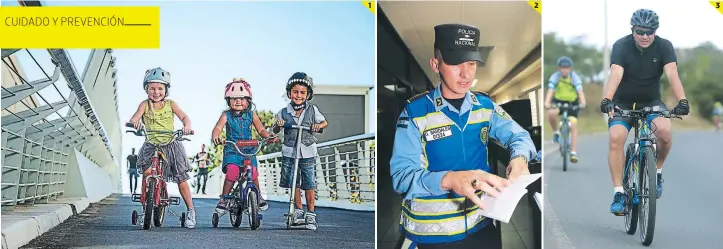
(640, 175)
(245, 199)
(564, 130)
(290, 219)
(155, 199)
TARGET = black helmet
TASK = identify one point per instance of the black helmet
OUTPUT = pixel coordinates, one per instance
(645, 18)
(300, 78)
(564, 61)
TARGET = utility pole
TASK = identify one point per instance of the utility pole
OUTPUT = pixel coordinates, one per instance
(606, 55)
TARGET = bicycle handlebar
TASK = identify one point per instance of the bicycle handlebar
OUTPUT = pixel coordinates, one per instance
(565, 106)
(643, 113)
(253, 143)
(177, 134)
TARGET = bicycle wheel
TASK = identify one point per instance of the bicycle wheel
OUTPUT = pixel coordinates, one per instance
(630, 208)
(648, 190)
(160, 212)
(148, 209)
(253, 203)
(563, 144)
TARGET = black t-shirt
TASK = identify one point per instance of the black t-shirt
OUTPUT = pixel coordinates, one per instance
(457, 103)
(132, 159)
(641, 77)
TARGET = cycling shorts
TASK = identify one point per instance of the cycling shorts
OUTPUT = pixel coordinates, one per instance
(628, 122)
(571, 113)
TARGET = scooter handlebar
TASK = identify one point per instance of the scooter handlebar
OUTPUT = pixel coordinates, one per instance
(290, 126)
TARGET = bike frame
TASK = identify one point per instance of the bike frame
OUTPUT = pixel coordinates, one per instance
(247, 176)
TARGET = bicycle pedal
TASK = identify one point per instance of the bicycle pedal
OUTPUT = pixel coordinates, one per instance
(174, 200)
(136, 198)
(227, 197)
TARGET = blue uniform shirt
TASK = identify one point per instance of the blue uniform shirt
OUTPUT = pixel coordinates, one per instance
(417, 169)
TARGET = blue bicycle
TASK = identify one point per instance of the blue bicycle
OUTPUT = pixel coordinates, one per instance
(640, 175)
(245, 199)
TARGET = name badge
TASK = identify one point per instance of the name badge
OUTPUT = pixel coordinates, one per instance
(438, 133)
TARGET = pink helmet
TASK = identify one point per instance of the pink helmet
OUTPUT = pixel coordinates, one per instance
(238, 88)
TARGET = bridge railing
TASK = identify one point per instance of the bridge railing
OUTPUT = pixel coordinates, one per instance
(41, 125)
(345, 174)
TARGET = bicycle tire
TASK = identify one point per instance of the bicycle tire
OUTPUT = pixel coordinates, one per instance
(253, 202)
(631, 209)
(159, 213)
(148, 209)
(563, 145)
(647, 228)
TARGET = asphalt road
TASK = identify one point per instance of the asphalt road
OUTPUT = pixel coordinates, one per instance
(107, 224)
(577, 209)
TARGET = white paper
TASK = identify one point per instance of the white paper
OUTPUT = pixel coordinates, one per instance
(501, 208)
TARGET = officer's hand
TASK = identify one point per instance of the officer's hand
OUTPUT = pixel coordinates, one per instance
(516, 168)
(682, 108)
(465, 183)
(607, 106)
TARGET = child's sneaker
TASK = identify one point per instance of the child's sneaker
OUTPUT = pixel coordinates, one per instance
(262, 204)
(221, 207)
(310, 221)
(191, 218)
(298, 216)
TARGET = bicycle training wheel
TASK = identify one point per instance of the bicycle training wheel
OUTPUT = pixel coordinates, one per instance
(649, 192)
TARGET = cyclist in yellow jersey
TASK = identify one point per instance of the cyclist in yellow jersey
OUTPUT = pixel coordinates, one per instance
(565, 86)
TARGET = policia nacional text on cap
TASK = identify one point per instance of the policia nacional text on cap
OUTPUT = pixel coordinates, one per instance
(439, 163)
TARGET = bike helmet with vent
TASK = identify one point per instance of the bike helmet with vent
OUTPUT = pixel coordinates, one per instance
(300, 78)
(564, 61)
(157, 75)
(238, 88)
(645, 18)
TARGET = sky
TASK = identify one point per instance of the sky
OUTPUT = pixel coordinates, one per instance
(206, 45)
(685, 23)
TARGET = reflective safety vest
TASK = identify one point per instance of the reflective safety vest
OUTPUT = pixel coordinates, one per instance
(450, 142)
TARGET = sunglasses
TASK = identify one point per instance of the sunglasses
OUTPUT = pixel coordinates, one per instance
(641, 32)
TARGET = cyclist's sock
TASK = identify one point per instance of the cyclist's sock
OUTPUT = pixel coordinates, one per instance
(619, 189)
(660, 171)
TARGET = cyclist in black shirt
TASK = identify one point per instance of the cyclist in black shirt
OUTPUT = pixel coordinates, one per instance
(133, 169)
(637, 62)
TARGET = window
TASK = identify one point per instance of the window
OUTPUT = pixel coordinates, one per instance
(534, 95)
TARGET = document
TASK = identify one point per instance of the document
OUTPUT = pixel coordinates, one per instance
(502, 207)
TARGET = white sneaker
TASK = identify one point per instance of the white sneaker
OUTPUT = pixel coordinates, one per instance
(311, 221)
(191, 218)
(221, 207)
(299, 216)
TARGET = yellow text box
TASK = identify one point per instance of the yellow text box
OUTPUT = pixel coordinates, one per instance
(80, 27)
(537, 5)
(718, 6)
(371, 5)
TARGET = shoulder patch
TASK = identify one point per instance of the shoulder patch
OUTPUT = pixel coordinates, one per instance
(481, 93)
(417, 96)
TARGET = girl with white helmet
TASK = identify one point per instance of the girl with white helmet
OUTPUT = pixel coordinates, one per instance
(238, 120)
(156, 113)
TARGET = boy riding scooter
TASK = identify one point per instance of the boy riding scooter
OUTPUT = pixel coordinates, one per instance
(299, 150)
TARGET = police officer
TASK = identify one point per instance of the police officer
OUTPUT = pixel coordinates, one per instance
(439, 163)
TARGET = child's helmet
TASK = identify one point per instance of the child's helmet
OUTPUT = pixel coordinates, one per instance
(238, 88)
(300, 78)
(157, 75)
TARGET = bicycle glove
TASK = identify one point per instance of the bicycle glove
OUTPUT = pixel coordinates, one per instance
(606, 106)
(682, 108)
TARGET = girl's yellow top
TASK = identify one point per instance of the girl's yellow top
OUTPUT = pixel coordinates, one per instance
(159, 120)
